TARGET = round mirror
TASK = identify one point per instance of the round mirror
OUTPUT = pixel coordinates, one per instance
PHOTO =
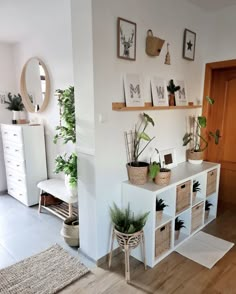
(35, 85)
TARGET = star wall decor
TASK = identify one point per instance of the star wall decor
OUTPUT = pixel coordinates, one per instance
(189, 45)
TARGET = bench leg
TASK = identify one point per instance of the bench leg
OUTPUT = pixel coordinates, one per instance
(70, 209)
(39, 209)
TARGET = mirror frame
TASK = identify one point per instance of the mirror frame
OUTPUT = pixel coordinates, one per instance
(23, 89)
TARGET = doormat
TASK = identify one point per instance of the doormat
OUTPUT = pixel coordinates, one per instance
(44, 273)
(204, 249)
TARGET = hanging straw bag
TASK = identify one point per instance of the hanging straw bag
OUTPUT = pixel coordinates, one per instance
(153, 44)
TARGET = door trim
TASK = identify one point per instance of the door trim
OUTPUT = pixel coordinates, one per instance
(207, 86)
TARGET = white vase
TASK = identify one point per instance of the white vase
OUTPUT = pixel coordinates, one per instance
(72, 191)
(15, 116)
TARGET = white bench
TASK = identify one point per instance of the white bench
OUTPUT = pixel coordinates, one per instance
(57, 188)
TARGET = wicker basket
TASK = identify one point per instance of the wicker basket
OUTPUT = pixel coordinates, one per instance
(138, 175)
(211, 182)
(197, 216)
(162, 178)
(70, 231)
(195, 157)
(132, 240)
(183, 195)
(162, 239)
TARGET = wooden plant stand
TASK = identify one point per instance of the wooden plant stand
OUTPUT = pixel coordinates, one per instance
(127, 242)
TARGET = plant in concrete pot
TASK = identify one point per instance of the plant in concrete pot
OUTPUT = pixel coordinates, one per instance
(160, 205)
(207, 209)
(171, 88)
(194, 138)
(16, 105)
(159, 174)
(136, 142)
(179, 224)
(196, 188)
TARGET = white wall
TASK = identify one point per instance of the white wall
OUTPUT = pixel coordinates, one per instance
(52, 43)
(7, 84)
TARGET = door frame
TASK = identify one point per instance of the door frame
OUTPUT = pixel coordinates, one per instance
(207, 86)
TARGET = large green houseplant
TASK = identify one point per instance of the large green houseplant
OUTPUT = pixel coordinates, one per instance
(67, 133)
(195, 139)
(137, 141)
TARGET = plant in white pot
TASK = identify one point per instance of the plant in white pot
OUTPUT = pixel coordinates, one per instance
(136, 142)
(194, 138)
(159, 174)
(160, 205)
(179, 224)
(207, 209)
(16, 105)
(196, 188)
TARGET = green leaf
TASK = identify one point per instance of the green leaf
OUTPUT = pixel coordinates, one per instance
(144, 136)
(154, 169)
(216, 136)
(202, 121)
(149, 119)
(210, 100)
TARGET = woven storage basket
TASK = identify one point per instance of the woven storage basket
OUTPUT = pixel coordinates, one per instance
(211, 182)
(162, 239)
(70, 231)
(197, 216)
(183, 195)
(137, 175)
(132, 240)
(162, 178)
(194, 155)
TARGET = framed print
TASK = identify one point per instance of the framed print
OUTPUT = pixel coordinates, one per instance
(168, 158)
(126, 39)
(3, 97)
(133, 90)
(159, 92)
(180, 95)
(189, 44)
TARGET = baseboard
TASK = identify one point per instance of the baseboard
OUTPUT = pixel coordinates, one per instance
(3, 192)
(104, 259)
(85, 255)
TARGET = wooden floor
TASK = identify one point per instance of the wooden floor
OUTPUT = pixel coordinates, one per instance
(175, 274)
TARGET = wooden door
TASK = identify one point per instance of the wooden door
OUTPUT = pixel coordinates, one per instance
(222, 116)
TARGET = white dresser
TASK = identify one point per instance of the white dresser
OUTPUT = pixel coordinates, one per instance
(25, 161)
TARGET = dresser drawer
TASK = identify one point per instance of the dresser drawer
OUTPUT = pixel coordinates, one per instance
(16, 191)
(16, 178)
(13, 149)
(13, 163)
(12, 134)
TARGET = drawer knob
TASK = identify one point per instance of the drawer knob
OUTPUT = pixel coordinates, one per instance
(20, 194)
(7, 147)
(163, 228)
(15, 135)
(16, 150)
(10, 175)
(5, 133)
(8, 161)
(17, 165)
(183, 186)
(19, 180)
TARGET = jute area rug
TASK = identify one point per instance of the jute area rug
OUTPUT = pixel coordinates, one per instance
(44, 273)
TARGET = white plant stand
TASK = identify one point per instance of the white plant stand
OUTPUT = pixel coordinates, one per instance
(57, 188)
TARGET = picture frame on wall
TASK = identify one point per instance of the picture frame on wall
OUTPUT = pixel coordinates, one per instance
(180, 95)
(168, 158)
(133, 90)
(3, 97)
(126, 39)
(159, 92)
(189, 45)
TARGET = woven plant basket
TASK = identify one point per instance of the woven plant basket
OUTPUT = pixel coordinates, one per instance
(70, 231)
(138, 175)
(162, 178)
(132, 240)
(195, 157)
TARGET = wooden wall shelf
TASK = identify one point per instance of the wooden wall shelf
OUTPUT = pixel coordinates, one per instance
(120, 106)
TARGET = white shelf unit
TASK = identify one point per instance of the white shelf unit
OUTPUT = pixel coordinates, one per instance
(143, 198)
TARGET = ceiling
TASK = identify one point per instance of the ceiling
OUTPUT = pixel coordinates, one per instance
(212, 5)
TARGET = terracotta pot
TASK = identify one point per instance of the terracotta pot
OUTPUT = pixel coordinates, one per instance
(177, 233)
(163, 178)
(159, 215)
(194, 157)
(172, 100)
(138, 175)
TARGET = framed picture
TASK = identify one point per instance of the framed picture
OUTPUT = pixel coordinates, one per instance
(126, 39)
(189, 44)
(180, 96)
(3, 97)
(133, 90)
(168, 158)
(159, 92)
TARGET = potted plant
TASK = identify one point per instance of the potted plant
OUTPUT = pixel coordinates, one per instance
(159, 174)
(171, 88)
(160, 205)
(196, 188)
(207, 209)
(16, 105)
(179, 224)
(68, 165)
(136, 143)
(198, 143)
